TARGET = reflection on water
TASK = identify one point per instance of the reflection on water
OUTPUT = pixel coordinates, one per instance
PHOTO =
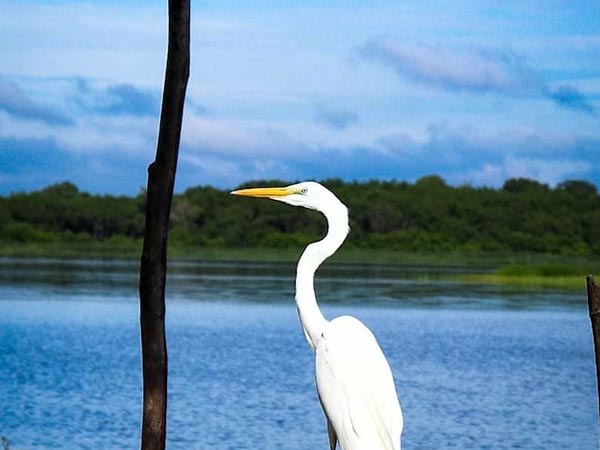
(398, 286)
(475, 367)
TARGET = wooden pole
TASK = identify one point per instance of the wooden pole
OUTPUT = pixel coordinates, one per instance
(161, 180)
(593, 293)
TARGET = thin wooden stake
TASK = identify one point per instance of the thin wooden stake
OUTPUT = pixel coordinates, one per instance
(593, 294)
(153, 269)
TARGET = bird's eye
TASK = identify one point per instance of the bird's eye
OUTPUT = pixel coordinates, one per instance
(303, 191)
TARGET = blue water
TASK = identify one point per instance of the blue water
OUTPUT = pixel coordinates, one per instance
(491, 369)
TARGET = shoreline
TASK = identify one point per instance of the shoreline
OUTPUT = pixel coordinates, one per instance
(496, 269)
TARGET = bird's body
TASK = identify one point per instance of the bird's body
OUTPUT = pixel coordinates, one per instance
(354, 380)
(356, 388)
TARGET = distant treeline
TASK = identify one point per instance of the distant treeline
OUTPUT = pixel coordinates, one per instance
(428, 215)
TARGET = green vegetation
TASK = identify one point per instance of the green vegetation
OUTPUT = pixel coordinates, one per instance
(523, 233)
(389, 218)
(556, 275)
(559, 282)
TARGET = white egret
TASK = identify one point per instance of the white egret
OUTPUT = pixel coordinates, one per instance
(354, 381)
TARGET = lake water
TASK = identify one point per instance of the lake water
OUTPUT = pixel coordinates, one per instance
(475, 367)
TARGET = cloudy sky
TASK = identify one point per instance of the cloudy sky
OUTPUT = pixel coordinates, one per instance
(302, 90)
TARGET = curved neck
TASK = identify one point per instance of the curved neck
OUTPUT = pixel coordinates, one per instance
(311, 318)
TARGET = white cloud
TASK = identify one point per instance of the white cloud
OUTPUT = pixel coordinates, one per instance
(237, 138)
(501, 71)
(18, 104)
(546, 171)
(259, 76)
(87, 40)
(479, 70)
(335, 118)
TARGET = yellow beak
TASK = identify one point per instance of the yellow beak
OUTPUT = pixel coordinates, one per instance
(265, 192)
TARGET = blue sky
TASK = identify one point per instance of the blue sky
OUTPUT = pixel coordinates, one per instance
(469, 90)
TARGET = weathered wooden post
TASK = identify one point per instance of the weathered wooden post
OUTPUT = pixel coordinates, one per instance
(593, 293)
(161, 179)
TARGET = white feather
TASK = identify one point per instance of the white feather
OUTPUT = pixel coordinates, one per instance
(356, 387)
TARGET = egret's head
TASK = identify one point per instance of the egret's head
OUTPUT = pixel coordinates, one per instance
(307, 194)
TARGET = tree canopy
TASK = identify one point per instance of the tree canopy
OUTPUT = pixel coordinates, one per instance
(428, 215)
